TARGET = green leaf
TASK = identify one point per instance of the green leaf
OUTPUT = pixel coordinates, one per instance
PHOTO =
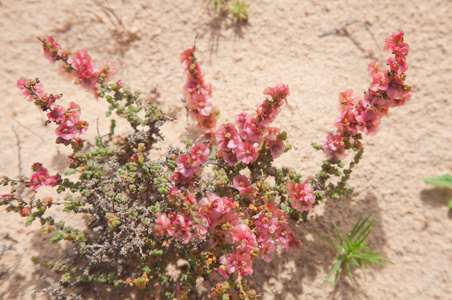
(328, 240)
(450, 203)
(334, 269)
(443, 180)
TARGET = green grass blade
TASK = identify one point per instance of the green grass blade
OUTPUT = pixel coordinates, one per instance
(362, 224)
(328, 240)
(353, 260)
(361, 239)
(334, 269)
(341, 240)
(349, 273)
(355, 228)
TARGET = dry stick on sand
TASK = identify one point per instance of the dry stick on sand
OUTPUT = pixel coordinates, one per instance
(18, 151)
(342, 28)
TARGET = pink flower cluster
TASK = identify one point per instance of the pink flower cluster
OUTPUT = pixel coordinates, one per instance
(273, 229)
(198, 93)
(41, 177)
(68, 120)
(179, 224)
(78, 65)
(301, 195)
(242, 184)
(243, 144)
(70, 125)
(33, 91)
(189, 164)
(226, 225)
(387, 90)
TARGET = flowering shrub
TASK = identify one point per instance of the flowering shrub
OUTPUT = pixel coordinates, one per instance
(209, 206)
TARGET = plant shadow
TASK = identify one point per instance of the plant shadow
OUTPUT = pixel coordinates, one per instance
(46, 280)
(438, 197)
(284, 277)
(215, 28)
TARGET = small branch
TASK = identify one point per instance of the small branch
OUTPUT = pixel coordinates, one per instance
(195, 41)
(98, 133)
(42, 139)
(18, 151)
(342, 27)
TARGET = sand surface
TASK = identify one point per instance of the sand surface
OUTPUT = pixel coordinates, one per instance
(280, 44)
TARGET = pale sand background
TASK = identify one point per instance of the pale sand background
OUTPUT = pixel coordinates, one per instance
(279, 45)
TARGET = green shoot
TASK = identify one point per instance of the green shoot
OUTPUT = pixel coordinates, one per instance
(352, 250)
(216, 4)
(239, 11)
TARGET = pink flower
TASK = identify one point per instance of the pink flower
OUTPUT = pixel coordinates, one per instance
(72, 114)
(227, 137)
(240, 262)
(393, 40)
(173, 192)
(334, 147)
(32, 85)
(267, 112)
(82, 126)
(49, 99)
(24, 212)
(398, 64)
(346, 123)
(41, 177)
(246, 153)
(85, 71)
(177, 177)
(377, 102)
(200, 153)
(275, 145)
(241, 233)
(187, 55)
(302, 195)
(191, 86)
(252, 131)
(230, 157)
(278, 92)
(241, 119)
(268, 250)
(56, 114)
(161, 224)
(395, 44)
(214, 207)
(241, 182)
(51, 49)
(186, 166)
(120, 84)
(373, 68)
(222, 272)
(398, 91)
(380, 82)
(52, 180)
(347, 100)
(66, 131)
(38, 179)
(203, 103)
(369, 122)
(109, 69)
(207, 124)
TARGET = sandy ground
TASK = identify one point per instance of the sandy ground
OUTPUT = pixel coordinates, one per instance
(279, 45)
